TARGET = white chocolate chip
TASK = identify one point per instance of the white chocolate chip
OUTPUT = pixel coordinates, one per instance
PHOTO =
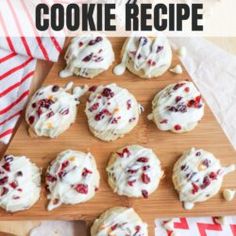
(182, 51)
(229, 194)
(177, 69)
(188, 205)
(80, 91)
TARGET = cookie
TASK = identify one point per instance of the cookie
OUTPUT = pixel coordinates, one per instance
(119, 221)
(71, 178)
(19, 183)
(178, 108)
(198, 176)
(88, 56)
(134, 171)
(112, 112)
(53, 109)
(145, 57)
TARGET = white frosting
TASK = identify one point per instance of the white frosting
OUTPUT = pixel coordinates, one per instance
(198, 176)
(178, 107)
(72, 178)
(86, 54)
(111, 111)
(52, 109)
(118, 222)
(177, 69)
(19, 183)
(229, 194)
(149, 56)
(134, 171)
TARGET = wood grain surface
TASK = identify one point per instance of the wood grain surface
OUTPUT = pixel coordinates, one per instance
(164, 202)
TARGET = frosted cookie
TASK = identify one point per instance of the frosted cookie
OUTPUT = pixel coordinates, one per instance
(198, 176)
(145, 57)
(71, 178)
(178, 107)
(53, 109)
(88, 56)
(134, 171)
(19, 183)
(119, 221)
(112, 112)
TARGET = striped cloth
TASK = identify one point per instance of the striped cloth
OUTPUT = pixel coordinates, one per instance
(17, 64)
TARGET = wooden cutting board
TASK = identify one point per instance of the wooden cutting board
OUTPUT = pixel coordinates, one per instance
(168, 146)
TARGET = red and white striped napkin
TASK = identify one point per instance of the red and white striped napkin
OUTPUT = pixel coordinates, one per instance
(17, 64)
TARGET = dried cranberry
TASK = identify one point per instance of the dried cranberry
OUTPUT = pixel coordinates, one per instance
(132, 119)
(195, 103)
(114, 121)
(198, 154)
(131, 182)
(137, 228)
(206, 163)
(213, 175)
(187, 89)
(178, 108)
(88, 58)
(130, 171)
(145, 178)
(13, 185)
(64, 112)
(142, 159)
(92, 89)
(164, 121)
(82, 188)
(50, 178)
(99, 59)
(178, 98)
(145, 193)
(86, 172)
(4, 191)
(177, 127)
(16, 197)
(128, 104)
(94, 107)
(195, 188)
(31, 120)
(206, 182)
(55, 88)
(183, 167)
(81, 44)
(159, 48)
(34, 105)
(107, 92)
(124, 152)
(101, 114)
(144, 40)
(146, 167)
(50, 114)
(45, 103)
(64, 165)
(151, 63)
(113, 227)
(6, 166)
(177, 86)
(3, 180)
